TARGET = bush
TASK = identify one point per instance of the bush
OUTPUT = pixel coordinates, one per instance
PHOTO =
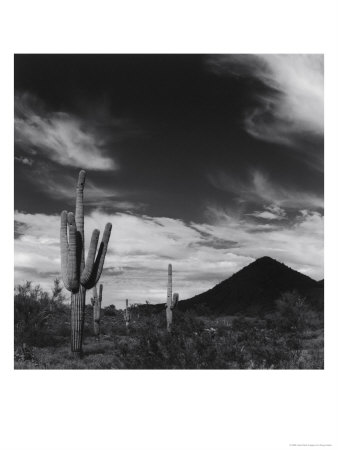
(294, 314)
(110, 310)
(283, 339)
(33, 308)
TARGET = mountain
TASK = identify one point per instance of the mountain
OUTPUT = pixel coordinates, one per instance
(254, 288)
(320, 283)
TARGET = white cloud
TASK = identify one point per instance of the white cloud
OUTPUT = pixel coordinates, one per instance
(272, 212)
(293, 104)
(59, 136)
(299, 105)
(299, 244)
(142, 246)
(265, 215)
(277, 210)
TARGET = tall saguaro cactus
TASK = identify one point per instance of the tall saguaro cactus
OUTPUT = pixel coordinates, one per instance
(127, 316)
(78, 275)
(96, 302)
(172, 300)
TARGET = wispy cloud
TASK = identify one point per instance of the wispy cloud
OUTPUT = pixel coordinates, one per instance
(59, 136)
(271, 212)
(291, 106)
(60, 185)
(258, 188)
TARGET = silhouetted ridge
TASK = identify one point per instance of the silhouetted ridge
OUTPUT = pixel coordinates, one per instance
(253, 288)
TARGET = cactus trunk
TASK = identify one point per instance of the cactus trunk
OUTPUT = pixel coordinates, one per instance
(127, 316)
(170, 285)
(169, 298)
(97, 300)
(97, 330)
(169, 319)
(172, 300)
(78, 301)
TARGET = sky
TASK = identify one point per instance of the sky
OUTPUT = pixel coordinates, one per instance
(206, 162)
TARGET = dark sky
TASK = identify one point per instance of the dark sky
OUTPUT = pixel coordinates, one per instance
(226, 146)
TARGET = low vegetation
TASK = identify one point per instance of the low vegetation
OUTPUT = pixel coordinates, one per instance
(289, 337)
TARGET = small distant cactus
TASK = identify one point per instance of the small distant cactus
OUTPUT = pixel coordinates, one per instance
(127, 316)
(96, 302)
(172, 300)
(77, 275)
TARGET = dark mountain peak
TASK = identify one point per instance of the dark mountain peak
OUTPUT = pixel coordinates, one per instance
(269, 268)
(265, 259)
(254, 287)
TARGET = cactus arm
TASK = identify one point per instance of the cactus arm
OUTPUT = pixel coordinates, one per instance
(68, 251)
(100, 293)
(94, 292)
(79, 217)
(72, 268)
(97, 311)
(99, 261)
(104, 243)
(87, 271)
(175, 300)
(64, 249)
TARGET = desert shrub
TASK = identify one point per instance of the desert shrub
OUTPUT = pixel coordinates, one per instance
(24, 353)
(186, 322)
(294, 314)
(189, 346)
(31, 311)
(58, 298)
(110, 311)
(289, 338)
(292, 309)
(62, 329)
(34, 309)
(274, 342)
(239, 323)
(248, 343)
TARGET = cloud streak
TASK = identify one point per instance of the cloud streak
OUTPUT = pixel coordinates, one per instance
(258, 188)
(59, 136)
(290, 104)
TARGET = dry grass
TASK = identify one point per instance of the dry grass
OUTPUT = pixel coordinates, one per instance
(292, 337)
(225, 348)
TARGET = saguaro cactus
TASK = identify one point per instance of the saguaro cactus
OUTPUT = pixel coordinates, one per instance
(96, 302)
(127, 316)
(77, 275)
(172, 300)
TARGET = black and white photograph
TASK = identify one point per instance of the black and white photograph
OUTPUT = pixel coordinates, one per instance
(169, 211)
(169, 225)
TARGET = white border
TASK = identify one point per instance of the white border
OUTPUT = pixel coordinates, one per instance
(127, 410)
